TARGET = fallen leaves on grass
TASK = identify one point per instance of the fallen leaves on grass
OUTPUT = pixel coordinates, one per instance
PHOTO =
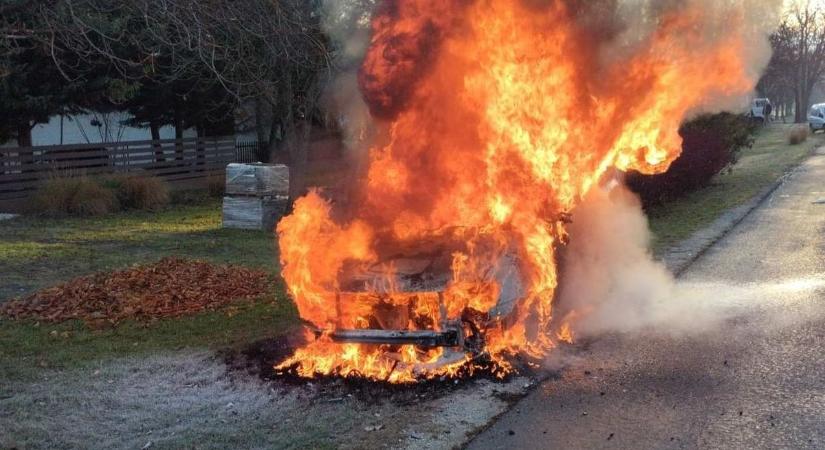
(168, 288)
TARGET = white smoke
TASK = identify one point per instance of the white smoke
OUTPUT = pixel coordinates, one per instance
(612, 282)
(610, 279)
(347, 23)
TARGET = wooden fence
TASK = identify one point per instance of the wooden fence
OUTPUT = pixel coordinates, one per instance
(23, 169)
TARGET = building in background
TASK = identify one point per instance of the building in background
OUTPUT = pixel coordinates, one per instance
(94, 128)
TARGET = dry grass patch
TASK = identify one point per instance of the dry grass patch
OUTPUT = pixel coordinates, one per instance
(798, 135)
(68, 194)
(80, 196)
(143, 192)
(216, 186)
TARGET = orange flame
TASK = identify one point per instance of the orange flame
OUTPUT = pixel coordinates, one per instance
(500, 117)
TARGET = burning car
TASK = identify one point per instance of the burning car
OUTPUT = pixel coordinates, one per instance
(486, 140)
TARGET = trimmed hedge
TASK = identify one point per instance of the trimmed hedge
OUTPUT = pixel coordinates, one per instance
(711, 144)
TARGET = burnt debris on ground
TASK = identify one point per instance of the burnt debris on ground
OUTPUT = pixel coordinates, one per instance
(261, 357)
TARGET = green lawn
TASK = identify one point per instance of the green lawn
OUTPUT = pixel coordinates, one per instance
(38, 252)
(769, 158)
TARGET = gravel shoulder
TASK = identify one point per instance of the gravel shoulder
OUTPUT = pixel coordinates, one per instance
(191, 399)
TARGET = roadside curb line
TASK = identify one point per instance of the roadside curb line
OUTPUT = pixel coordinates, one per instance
(678, 258)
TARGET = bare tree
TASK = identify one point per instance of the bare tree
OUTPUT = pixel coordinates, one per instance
(779, 80)
(272, 52)
(798, 61)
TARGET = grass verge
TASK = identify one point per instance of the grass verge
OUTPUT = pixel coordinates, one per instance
(29, 347)
(770, 157)
(38, 252)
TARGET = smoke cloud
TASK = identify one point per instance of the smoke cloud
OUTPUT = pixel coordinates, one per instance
(610, 280)
(611, 283)
(347, 23)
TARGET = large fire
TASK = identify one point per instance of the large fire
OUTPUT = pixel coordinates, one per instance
(500, 116)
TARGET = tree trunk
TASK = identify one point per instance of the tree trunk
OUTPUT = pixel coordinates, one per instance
(272, 152)
(24, 139)
(803, 103)
(296, 144)
(154, 127)
(801, 110)
(282, 122)
(263, 150)
(24, 134)
(260, 125)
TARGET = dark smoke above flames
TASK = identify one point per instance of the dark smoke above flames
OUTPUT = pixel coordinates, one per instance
(406, 39)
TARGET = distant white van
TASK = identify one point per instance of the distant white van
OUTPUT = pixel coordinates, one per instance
(759, 106)
(816, 117)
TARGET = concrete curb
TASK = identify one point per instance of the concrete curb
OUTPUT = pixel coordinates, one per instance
(679, 257)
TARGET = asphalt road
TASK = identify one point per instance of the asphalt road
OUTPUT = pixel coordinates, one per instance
(755, 381)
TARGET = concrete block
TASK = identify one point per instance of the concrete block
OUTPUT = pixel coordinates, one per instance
(253, 213)
(257, 179)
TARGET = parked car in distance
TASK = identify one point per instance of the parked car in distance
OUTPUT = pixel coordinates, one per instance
(760, 111)
(816, 117)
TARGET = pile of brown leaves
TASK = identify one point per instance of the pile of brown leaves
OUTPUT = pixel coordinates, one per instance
(171, 287)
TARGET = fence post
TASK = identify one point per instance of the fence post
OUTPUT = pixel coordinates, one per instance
(127, 158)
(201, 145)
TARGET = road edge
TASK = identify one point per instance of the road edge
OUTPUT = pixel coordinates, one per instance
(679, 257)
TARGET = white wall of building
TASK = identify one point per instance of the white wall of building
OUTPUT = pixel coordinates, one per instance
(95, 128)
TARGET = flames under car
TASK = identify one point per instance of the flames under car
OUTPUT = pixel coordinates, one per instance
(406, 301)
